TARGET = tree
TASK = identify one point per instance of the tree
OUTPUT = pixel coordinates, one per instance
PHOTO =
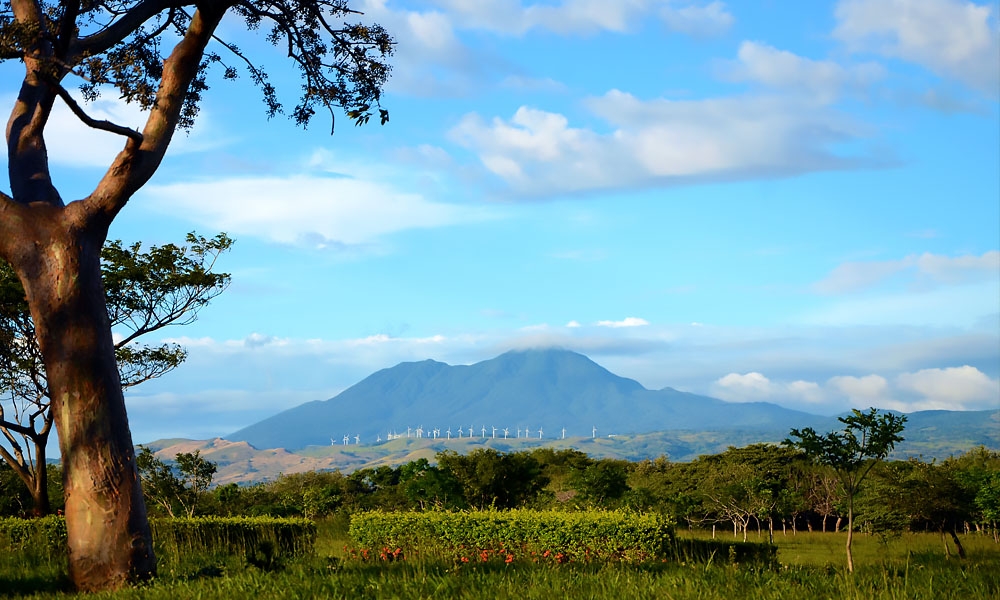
(176, 488)
(602, 482)
(55, 246)
(867, 438)
(145, 291)
(491, 479)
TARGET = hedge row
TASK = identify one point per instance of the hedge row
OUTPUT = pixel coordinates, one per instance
(515, 535)
(228, 535)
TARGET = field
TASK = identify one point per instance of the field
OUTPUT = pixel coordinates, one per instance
(811, 566)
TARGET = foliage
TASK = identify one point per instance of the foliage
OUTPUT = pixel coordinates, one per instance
(490, 479)
(602, 482)
(518, 534)
(867, 438)
(178, 488)
(235, 535)
(145, 291)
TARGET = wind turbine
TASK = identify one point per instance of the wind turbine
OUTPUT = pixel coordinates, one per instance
(460, 432)
(484, 432)
(347, 440)
(494, 433)
(505, 432)
(539, 433)
(449, 433)
(357, 440)
(594, 432)
(564, 433)
(333, 442)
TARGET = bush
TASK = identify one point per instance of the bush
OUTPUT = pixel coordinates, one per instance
(236, 536)
(560, 536)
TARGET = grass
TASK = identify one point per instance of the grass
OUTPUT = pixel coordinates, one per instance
(826, 550)
(912, 566)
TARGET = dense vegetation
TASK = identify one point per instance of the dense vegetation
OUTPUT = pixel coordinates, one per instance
(917, 519)
(745, 489)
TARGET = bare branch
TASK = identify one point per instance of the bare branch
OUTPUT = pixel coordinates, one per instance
(90, 121)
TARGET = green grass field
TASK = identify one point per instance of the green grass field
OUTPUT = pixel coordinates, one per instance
(913, 566)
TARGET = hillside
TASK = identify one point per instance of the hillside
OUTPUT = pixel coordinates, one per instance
(929, 435)
(548, 390)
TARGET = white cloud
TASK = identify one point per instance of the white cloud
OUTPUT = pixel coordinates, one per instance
(573, 324)
(750, 386)
(657, 142)
(586, 16)
(755, 387)
(698, 19)
(437, 62)
(954, 388)
(953, 38)
(823, 79)
(926, 269)
(323, 212)
(626, 322)
(957, 388)
(870, 390)
(71, 143)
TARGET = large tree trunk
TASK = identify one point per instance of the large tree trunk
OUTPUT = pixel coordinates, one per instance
(109, 536)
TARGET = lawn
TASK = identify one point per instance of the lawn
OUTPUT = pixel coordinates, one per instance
(913, 566)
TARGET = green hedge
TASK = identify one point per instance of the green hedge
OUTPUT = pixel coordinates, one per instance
(515, 535)
(226, 535)
(46, 535)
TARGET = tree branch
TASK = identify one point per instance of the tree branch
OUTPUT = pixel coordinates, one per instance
(136, 163)
(103, 40)
(90, 121)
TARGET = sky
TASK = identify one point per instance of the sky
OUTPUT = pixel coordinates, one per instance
(796, 202)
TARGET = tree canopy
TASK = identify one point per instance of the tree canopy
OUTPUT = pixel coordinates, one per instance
(866, 439)
(146, 290)
(158, 54)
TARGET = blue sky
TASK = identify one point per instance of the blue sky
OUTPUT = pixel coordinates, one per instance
(788, 201)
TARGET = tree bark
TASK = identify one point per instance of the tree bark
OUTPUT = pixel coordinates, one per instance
(108, 533)
(850, 533)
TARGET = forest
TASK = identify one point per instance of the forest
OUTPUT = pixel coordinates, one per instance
(756, 488)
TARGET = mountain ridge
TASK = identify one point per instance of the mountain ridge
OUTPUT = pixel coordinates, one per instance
(520, 390)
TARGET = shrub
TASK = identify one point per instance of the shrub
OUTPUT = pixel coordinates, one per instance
(521, 534)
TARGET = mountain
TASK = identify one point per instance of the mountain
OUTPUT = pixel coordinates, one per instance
(546, 390)
(930, 435)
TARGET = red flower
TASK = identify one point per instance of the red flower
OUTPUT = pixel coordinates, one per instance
(510, 559)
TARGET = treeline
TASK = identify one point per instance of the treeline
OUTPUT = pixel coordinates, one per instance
(757, 487)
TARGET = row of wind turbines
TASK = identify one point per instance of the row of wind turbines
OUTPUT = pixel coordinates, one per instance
(421, 433)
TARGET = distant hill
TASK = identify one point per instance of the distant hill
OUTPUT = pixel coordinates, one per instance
(929, 435)
(520, 390)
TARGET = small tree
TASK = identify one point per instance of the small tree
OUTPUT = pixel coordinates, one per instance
(867, 438)
(175, 488)
(145, 290)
